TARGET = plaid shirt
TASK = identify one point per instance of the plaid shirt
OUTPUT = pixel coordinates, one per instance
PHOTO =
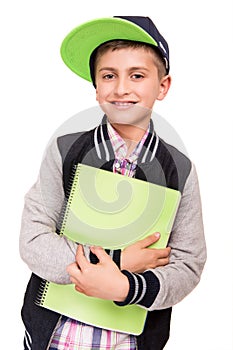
(124, 164)
(72, 334)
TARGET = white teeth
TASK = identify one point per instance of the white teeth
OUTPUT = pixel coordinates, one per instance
(123, 103)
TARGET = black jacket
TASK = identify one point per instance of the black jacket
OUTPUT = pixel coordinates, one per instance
(159, 163)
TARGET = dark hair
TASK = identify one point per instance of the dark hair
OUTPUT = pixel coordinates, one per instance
(122, 44)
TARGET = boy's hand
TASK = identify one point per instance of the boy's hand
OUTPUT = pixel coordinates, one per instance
(138, 257)
(103, 280)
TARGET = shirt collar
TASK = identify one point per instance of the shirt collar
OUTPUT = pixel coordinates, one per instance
(104, 148)
(120, 147)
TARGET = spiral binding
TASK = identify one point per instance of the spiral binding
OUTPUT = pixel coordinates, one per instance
(67, 202)
(44, 285)
(41, 294)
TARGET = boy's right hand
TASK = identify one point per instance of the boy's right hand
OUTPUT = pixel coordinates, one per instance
(138, 257)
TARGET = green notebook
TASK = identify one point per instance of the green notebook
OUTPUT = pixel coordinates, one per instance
(112, 211)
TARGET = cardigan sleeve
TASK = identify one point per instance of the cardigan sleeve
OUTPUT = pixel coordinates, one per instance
(188, 249)
(46, 253)
(165, 286)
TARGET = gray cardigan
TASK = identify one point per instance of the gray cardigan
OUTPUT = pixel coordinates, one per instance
(47, 254)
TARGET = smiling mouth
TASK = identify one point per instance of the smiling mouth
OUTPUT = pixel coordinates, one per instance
(123, 105)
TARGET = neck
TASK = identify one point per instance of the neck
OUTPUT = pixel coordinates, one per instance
(130, 133)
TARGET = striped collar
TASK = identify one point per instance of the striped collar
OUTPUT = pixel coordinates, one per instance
(119, 145)
(105, 150)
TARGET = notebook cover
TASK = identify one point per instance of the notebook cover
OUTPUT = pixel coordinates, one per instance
(65, 300)
(112, 211)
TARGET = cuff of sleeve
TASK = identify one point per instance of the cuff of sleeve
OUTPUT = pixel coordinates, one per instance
(93, 258)
(116, 257)
(143, 289)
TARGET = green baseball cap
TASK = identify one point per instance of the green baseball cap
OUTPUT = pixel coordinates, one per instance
(79, 44)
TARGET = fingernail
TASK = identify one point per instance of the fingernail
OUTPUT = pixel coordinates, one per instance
(157, 234)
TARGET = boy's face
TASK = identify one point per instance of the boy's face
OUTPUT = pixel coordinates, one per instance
(126, 79)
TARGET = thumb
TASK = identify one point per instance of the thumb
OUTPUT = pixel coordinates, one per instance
(100, 253)
(146, 242)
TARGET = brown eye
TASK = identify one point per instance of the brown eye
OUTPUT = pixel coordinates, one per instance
(137, 76)
(108, 76)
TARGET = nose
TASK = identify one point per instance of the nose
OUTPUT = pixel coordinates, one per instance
(122, 86)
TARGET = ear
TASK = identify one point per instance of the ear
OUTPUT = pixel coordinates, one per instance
(165, 84)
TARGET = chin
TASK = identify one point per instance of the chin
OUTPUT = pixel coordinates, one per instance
(132, 114)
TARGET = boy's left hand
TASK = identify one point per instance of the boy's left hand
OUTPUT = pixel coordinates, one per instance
(103, 280)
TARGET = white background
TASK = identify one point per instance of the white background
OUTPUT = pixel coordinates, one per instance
(38, 93)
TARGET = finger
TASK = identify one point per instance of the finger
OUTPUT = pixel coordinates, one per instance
(79, 251)
(78, 289)
(73, 280)
(72, 269)
(100, 253)
(162, 262)
(146, 242)
(81, 260)
(162, 253)
(167, 251)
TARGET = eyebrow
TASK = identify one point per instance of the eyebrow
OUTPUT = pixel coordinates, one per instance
(106, 68)
(130, 69)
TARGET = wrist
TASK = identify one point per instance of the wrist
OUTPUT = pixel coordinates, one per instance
(123, 289)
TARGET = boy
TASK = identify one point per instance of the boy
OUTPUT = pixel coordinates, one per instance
(127, 60)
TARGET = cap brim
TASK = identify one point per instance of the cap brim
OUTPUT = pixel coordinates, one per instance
(79, 44)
